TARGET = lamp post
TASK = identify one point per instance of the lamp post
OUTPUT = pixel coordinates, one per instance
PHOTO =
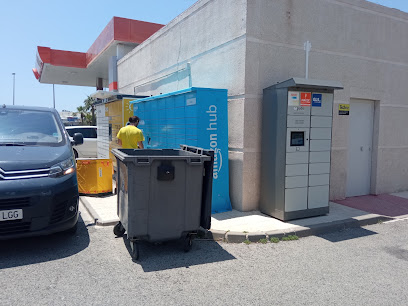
(53, 94)
(14, 82)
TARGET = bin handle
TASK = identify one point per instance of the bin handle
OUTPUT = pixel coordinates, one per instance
(195, 149)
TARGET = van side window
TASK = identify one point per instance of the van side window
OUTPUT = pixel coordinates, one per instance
(86, 132)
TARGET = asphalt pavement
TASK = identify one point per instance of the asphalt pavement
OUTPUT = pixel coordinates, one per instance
(367, 265)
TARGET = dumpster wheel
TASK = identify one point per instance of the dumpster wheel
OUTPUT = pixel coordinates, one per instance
(119, 230)
(188, 243)
(135, 250)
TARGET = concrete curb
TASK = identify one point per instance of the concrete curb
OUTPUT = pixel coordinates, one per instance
(107, 222)
(92, 212)
(240, 237)
(300, 231)
(235, 237)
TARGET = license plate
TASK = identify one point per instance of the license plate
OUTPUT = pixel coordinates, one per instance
(12, 214)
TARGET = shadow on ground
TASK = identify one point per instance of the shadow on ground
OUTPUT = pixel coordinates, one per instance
(171, 255)
(32, 250)
(347, 234)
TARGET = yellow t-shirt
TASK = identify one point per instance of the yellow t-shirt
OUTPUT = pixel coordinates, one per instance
(130, 136)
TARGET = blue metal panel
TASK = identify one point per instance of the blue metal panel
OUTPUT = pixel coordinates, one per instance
(195, 117)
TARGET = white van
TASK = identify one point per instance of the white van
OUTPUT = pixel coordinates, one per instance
(89, 147)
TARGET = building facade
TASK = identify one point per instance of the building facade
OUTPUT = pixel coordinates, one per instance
(245, 46)
(248, 45)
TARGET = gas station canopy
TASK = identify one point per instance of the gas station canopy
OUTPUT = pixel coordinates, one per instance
(84, 69)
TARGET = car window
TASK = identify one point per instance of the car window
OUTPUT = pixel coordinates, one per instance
(29, 127)
(86, 132)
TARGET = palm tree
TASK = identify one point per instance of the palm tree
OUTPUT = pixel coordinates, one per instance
(81, 110)
(89, 106)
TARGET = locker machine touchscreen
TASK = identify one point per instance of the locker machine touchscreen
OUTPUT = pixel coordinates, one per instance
(297, 139)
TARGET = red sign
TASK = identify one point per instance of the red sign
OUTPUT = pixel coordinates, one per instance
(305, 98)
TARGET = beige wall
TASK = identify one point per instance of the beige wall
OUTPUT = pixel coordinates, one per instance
(248, 45)
(358, 43)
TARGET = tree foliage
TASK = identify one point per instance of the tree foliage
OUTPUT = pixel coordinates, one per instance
(87, 111)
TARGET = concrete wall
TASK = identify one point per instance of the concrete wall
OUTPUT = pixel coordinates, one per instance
(211, 36)
(361, 44)
(248, 45)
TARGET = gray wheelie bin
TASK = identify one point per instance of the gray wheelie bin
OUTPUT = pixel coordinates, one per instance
(163, 194)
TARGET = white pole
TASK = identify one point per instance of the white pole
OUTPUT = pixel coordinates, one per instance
(53, 95)
(14, 82)
(307, 46)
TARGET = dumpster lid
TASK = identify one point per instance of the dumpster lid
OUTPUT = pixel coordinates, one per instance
(147, 155)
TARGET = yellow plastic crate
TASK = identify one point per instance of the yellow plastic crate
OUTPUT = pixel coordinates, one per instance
(94, 175)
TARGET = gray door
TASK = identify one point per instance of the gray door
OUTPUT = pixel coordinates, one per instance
(360, 147)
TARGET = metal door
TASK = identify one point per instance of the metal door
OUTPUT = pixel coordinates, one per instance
(360, 147)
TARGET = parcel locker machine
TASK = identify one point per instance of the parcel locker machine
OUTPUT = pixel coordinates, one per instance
(296, 144)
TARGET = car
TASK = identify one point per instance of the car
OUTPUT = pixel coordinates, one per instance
(38, 180)
(89, 148)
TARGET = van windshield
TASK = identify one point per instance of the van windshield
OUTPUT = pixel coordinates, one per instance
(29, 127)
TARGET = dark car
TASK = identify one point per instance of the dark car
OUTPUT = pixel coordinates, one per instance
(38, 181)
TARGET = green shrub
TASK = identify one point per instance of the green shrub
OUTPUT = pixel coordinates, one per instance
(274, 239)
(290, 237)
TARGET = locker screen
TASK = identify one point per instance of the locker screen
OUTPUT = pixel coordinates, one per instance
(297, 139)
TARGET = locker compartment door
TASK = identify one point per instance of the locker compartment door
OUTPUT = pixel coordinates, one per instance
(318, 196)
(297, 169)
(298, 110)
(296, 181)
(320, 145)
(319, 168)
(319, 179)
(326, 107)
(320, 157)
(320, 133)
(298, 121)
(295, 199)
(321, 122)
(297, 158)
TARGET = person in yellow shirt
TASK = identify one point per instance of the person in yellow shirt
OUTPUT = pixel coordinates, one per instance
(130, 137)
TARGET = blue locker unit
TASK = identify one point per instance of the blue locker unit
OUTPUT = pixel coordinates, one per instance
(195, 117)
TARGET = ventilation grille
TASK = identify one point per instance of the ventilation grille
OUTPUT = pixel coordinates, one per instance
(14, 227)
(14, 203)
(58, 213)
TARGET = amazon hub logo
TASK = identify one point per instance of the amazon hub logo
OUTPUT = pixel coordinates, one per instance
(212, 127)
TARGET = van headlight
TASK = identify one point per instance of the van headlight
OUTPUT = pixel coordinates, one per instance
(63, 168)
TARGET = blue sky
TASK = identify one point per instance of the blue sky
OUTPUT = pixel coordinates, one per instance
(71, 25)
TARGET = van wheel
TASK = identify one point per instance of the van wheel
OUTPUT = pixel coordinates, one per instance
(75, 153)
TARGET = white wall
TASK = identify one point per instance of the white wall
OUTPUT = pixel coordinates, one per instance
(211, 36)
(248, 45)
